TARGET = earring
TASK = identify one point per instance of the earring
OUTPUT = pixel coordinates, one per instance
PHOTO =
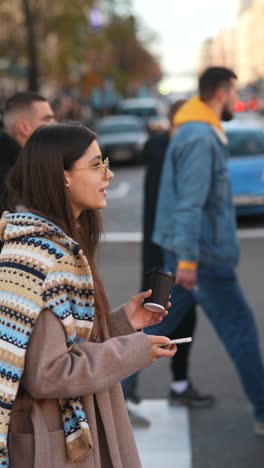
(67, 187)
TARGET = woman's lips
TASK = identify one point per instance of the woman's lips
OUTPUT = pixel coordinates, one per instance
(104, 191)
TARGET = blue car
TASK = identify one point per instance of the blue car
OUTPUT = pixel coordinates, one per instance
(246, 167)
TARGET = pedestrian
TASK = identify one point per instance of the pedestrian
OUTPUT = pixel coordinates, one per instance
(182, 391)
(22, 114)
(9, 150)
(62, 353)
(196, 228)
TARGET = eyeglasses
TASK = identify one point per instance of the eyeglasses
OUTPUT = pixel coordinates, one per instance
(104, 166)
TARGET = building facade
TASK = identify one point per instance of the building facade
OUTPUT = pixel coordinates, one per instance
(241, 47)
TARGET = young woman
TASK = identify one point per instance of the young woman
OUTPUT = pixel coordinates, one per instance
(62, 354)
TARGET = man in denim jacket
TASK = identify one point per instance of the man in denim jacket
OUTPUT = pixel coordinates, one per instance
(195, 226)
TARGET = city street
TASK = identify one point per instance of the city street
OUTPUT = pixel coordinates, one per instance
(129, 70)
(219, 437)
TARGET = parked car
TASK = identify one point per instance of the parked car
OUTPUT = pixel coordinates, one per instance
(122, 137)
(151, 110)
(246, 167)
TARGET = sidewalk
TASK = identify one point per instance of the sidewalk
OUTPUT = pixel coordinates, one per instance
(166, 444)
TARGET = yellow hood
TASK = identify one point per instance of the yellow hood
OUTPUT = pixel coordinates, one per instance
(196, 110)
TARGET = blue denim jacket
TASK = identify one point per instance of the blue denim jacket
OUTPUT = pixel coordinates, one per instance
(195, 216)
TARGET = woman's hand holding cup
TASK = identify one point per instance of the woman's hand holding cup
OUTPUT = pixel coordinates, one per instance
(160, 282)
(138, 315)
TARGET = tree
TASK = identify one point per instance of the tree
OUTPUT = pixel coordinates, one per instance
(130, 60)
(35, 21)
(66, 22)
(31, 45)
(57, 42)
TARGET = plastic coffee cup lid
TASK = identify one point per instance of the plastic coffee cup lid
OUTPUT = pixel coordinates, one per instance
(160, 271)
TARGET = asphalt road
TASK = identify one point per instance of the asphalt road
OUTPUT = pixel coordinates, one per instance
(221, 436)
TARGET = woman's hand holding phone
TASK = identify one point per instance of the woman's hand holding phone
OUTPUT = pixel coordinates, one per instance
(161, 347)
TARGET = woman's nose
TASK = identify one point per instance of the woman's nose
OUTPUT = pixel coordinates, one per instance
(110, 174)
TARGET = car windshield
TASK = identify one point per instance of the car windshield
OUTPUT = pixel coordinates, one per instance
(140, 111)
(108, 129)
(245, 143)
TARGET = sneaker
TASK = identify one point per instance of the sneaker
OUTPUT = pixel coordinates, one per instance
(137, 420)
(259, 428)
(191, 398)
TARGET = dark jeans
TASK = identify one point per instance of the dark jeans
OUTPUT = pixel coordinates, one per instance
(179, 364)
(219, 293)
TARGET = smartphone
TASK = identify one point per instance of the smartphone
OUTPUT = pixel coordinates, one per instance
(181, 340)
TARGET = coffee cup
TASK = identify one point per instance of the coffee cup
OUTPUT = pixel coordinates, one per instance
(160, 282)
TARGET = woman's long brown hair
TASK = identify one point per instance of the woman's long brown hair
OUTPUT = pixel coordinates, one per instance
(37, 182)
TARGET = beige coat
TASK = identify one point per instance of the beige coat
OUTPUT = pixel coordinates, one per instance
(90, 370)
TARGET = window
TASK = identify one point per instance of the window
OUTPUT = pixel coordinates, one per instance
(140, 111)
(245, 143)
(108, 129)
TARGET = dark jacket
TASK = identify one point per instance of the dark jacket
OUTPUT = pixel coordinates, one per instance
(153, 157)
(9, 150)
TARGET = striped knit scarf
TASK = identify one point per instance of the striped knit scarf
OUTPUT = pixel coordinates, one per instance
(41, 267)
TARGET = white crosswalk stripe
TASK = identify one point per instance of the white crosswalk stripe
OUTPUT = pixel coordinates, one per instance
(257, 233)
(166, 443)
